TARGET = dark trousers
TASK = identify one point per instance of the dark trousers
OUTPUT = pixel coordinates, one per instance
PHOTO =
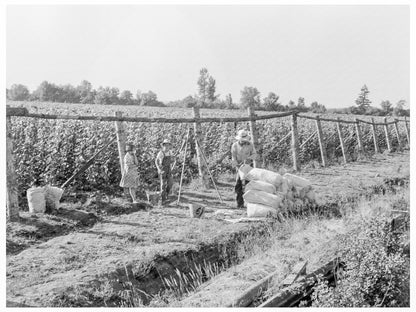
(239, 189)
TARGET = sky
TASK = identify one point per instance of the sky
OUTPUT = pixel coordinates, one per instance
(322, 53)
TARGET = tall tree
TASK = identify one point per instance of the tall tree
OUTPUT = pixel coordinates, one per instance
(126, 97)
(229, 101)
(18, 92)
(386, 106)
(250, 97)
(86, 93)
(270, 102)
(206, 89)
(362, 101)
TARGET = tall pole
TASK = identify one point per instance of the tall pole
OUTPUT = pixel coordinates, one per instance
(373, 127)
(12, 204)
(254, 133)
(322, 145)
(359, 136)
(295, 142)
(341, 140)
(198, 137)
(386, 131)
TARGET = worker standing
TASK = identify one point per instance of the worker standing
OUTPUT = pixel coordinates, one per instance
(130, 176)
(163, 164)
(242, 152)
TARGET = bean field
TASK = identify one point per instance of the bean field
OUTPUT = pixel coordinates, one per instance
(51, 150)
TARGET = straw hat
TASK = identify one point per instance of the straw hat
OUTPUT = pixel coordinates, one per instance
(165, 142)
(243, 135)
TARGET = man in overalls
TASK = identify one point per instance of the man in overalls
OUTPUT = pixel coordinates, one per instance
(163, 164)
(242, 152)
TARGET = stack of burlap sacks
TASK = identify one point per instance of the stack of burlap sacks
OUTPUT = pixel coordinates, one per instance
(267, 193)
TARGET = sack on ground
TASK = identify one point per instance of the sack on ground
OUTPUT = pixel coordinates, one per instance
(296, 180)
(260, 186)
(36, 199)
(260, 197)
(52, 196)
(244, 170)
(259, 210)
(258, 174)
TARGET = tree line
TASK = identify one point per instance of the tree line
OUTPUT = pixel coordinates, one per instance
(205, 97)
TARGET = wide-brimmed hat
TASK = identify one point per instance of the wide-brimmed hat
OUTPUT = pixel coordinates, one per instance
(243, 135)
(165, 142)
(129, 147)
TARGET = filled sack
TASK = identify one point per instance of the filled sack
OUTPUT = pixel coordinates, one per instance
(260, 186)
(243, 171)
(260, 197)
(259, 210)
(296, 180)
(258, 174)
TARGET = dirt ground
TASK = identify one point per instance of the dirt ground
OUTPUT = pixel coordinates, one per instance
(50, 257)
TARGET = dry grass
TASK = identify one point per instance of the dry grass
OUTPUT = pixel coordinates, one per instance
(313, 239)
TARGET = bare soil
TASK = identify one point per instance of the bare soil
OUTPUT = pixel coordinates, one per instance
(73, 258)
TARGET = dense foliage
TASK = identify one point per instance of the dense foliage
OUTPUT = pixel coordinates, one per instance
(51, 150)
(377, 271)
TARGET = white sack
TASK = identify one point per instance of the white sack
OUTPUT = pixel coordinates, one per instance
(260, 186)
(258, 174)
(258, 210)
(260, 197)
(296, 180)
(244, 170)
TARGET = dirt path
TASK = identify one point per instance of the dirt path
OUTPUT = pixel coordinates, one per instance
(149, 244)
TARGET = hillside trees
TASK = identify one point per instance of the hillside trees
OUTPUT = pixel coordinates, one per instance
(250, 97)
(18, 92)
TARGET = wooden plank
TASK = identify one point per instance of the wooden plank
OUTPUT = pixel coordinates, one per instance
(254, 133)
(341, 140)
(202, 170)
(396, 130)
(298, 270)
(295, 142)
(308, 139)
(16, 111)
(25, 113)
(292, 295)
(12, 204)
(373, 127)
(359, 136)
(322, 145)
(386, 132)
(407, 131)
(121, 140)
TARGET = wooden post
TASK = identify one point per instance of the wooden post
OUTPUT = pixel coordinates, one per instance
(341, 140)
(12, 203)
(396, 129)
(359, 136)
(386, 131)
(121, 140)
(254, 133)
(373, 126)
(407, 131)
(322, 145)
(295, 142)
(200, 149)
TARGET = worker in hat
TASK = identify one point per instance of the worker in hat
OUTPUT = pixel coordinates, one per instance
(242, 152)
(130, 175)
(163, 164)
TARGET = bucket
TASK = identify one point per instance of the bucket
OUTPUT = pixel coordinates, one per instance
(53, 196)
(196, 211)
(36, 199)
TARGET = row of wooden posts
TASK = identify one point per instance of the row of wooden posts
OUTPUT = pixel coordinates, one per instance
(118, 118)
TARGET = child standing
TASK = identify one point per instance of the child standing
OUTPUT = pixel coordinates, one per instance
(163, 164)
(130, 177)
